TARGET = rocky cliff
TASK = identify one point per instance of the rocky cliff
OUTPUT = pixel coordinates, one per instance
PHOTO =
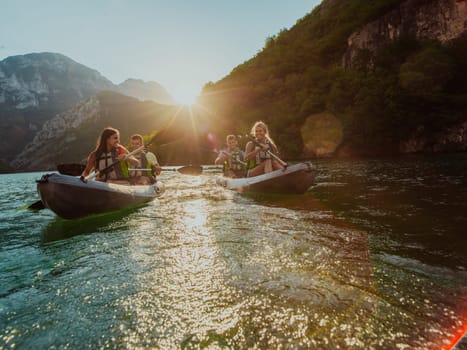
(56, 136)
(46, 81)
(441, 20)
(452, 139)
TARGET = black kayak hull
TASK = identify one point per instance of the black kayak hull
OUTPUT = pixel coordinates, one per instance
(71, 198)
(295, 179)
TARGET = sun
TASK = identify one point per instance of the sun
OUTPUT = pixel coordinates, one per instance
(186, 95)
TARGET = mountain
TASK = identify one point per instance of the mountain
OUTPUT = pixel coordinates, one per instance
(355, 78)
(33, 88)
(46, 81)
(146, 91)
(37, 86)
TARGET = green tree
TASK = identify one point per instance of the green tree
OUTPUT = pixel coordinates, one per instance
(426, 72)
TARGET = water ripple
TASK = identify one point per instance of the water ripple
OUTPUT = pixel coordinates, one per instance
(371, 257)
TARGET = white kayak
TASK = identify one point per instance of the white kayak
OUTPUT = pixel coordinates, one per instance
(295, 179)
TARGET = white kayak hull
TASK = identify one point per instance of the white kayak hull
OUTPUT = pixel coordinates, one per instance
(295, 179)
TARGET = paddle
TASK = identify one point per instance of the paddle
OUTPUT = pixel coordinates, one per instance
(186, 170)
(284, 164)
(72, 169)
(164, 136)
(110, 167)
(36, 206)
(75, 169)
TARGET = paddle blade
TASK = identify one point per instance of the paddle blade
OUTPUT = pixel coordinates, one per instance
(191, 170)
(151, 158)
(71, 169)
(37, 206)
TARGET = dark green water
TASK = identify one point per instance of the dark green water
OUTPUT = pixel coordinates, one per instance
(372, 257)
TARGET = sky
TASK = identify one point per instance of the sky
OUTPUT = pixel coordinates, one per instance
(181, 44)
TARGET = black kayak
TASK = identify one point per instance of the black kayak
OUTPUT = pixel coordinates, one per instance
(70, 198)
(295, 179)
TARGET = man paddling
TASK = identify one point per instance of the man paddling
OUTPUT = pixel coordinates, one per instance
(232, 158)
(147, 167)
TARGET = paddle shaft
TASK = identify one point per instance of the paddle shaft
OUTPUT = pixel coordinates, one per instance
(107, 168)
(139, 149)
(284, 164)
(139, 169)
(146, 169)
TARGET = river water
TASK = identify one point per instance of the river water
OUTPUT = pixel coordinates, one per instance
(372, 257)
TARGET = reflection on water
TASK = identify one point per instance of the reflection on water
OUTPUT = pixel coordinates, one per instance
(185, 279)
(62, 229)
(361, 261)
(215, 286)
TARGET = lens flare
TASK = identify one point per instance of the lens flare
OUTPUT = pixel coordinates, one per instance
(321, 134)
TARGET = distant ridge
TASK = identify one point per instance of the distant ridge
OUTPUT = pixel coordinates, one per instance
(146, 91)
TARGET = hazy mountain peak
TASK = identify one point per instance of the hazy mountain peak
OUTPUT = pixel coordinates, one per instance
(48, 80)
(143, 90)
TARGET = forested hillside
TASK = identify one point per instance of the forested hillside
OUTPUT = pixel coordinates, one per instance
(315, 104)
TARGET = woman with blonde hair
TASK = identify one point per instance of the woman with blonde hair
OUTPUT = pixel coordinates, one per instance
(257, 151)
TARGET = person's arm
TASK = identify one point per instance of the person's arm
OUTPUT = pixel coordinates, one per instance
(89, 165)
(251, 150)
(242, 155)
(155, 167)
(221, 158)
(123, 156)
